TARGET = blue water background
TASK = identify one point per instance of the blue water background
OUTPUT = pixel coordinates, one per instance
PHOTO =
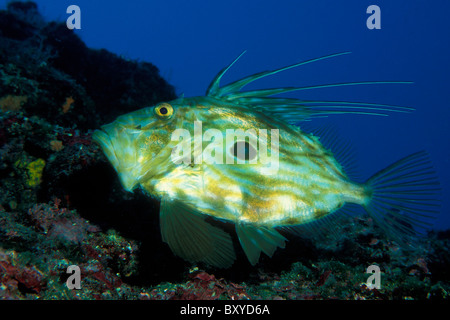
(190, 41)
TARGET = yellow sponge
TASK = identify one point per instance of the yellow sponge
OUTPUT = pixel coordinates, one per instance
(35, 170)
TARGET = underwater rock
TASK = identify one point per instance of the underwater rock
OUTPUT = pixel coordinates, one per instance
(47, 70)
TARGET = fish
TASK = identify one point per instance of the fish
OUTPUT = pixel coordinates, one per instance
(242, 157)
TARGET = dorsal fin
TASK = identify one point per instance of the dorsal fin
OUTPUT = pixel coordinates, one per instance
(215, 84)
(236, 86)
(342, 150)
(294, 110)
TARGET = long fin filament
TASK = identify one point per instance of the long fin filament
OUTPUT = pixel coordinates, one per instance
(296, 110)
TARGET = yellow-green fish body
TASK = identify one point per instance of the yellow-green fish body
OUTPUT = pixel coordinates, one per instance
(234, 156)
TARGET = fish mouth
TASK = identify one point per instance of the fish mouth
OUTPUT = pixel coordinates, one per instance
(109, 143)
(103, 139)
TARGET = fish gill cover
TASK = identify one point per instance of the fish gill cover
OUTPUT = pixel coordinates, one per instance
(61, 203)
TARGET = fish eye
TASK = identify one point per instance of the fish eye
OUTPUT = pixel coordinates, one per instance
(164, 110)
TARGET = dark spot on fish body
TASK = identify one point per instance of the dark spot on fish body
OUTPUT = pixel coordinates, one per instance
(243, 150)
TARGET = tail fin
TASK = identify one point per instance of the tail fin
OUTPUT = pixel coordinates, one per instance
(405, 197)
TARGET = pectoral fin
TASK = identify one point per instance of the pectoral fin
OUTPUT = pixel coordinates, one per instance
(190, 237)
(255, 239)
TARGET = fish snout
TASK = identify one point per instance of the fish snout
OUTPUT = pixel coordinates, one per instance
(102, 138)
(120, 149)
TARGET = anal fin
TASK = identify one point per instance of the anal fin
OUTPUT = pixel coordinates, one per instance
(190, 237)
(255, 239)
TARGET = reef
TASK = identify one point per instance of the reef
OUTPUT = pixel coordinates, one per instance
(61, 203)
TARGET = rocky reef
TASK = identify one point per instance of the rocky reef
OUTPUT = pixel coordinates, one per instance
(61, 203)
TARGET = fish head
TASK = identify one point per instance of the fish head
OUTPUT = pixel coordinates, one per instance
(134, 141)
(139, 144)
